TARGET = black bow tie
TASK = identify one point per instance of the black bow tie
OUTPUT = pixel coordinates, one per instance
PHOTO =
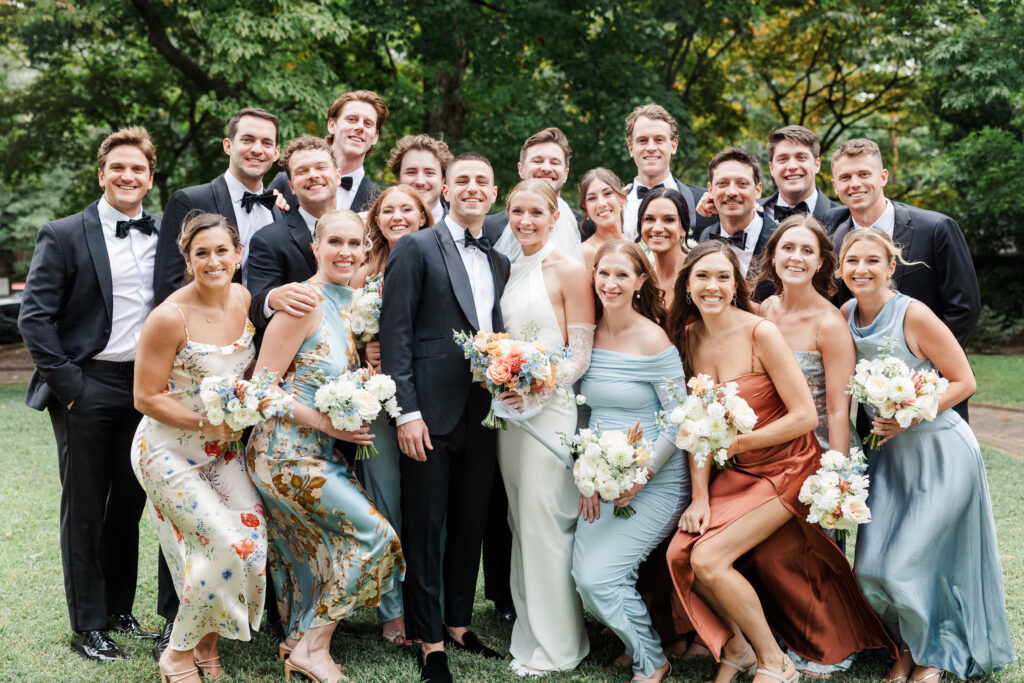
(642, 191)
(267, 198)
(481, 242)
(346, 182)
(782, 212)
(739, 240)
(143, 224)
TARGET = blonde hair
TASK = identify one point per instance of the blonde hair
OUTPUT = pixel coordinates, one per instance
(337, 216)
(538, 187)
(892, 252)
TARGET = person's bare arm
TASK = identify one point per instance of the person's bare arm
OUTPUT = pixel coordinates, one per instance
(839, 356)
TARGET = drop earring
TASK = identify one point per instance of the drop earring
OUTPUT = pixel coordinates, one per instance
(689, 299)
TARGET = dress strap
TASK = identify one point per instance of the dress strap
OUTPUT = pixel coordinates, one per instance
(752, 333)
(182, 314)
(817, 327)
(242, 300)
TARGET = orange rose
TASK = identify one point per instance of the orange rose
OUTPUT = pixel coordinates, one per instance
(499, 371)
(492, 346)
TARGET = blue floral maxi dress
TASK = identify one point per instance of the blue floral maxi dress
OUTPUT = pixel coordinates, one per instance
(207, 514)
(330, 549)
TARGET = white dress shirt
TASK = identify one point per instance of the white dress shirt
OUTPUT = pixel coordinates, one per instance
(481, 282)
(565, 236)
(886, 222)
(346, 197)
(753, 232)
(437, 213)
(248, 222)
(131, 275)
(629, 219)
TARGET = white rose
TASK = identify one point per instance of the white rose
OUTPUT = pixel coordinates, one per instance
(856, 510)
(716, 411)
(609, 439)
(541, 370)
(694, 407)
(677, 415)
(391, 405)
(215, 416)
(234, 405)
(381, 386)
(901, 388)
(685, 437)
(828, 499)
(743, 416)
(586, 487)
(609, 490)
(208, 394)
(877, 388)
(905, 416)
(366, 404)
(805, 496)
(372, 326)
(813, 514)
(833, 460)
(584, 469)
(357, 326)
(927, 406)
(580, 399)
(603, 473)
(592, 451)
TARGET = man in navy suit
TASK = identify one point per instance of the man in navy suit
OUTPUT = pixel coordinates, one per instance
(734, 183)
(652, 138)
(89, 290)
(941, 273)
(238, 194)
(794, 159)
(354, 123)
(420, 162)
(443, 279)
(281, 255)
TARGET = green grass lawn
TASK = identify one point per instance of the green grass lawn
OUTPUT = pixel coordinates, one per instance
(34, 629)
(1000, 380)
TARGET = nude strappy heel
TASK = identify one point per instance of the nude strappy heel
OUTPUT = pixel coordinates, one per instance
(781, 676)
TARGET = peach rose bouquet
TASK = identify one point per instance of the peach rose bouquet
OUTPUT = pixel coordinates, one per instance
(501, 363)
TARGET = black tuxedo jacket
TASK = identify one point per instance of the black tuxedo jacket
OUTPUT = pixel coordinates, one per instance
(823, 209)
(366, 193)
(944, 280)
(496, 223)
(427, 296)
(764, 289)
(279, 253)
(214, 197)
(66, 311)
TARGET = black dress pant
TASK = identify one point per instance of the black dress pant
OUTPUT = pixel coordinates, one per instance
(101, 500)
(452, 490)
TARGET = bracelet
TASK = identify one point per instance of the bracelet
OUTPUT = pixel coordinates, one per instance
(319, 422)
(200, 427)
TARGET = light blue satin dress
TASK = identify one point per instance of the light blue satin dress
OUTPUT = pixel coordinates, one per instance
(383, 484)
(928, 562)
(621, 388)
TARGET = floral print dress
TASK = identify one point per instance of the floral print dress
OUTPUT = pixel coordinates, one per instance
(207, 515)
(330, 549)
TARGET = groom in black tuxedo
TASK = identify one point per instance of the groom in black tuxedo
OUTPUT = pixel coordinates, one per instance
(238, 194)
(437, 281)
(89, 289)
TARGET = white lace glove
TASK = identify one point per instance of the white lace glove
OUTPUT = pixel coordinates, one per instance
(665, 446)
(567, 371)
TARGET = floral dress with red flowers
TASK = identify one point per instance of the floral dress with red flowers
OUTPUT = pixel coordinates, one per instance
(207, 514)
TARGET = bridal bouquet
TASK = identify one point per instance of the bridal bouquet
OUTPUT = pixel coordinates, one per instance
(609, 463)
(365, 320)
(709, 419)
(355, 398)
(891, 390)
(242, 403)
(837, 493)
(501, 363)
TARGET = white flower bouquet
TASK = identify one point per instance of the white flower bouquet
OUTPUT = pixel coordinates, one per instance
(708, 419)
(241, 403)
(609, 463)
(365, 308)
(355, 398)
(888, 387)
(837, 493)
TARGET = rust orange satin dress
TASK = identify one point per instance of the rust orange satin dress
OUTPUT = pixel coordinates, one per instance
(806, 587)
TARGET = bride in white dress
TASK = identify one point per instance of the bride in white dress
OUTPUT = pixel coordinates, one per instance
(547, 295)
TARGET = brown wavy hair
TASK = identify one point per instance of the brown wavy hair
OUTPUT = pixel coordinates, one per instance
(684, 311)
(651, 302)
(197, 221)
(823, 281)
(379, 247)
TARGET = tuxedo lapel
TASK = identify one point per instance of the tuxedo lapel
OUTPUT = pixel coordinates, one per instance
(902, 236)
(364, 195)
(222, 198)
(457, 274)
(100, 258)
(822, 205)
(500, 271)
(767, 228)
(299, 233)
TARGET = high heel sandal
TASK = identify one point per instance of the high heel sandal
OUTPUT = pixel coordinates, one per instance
(210, 665)
(781, 676)
(940, 673)
(740, 668)
(177, 676)
(668, 672)
(290, 668)
(902, 678)
(283, 651)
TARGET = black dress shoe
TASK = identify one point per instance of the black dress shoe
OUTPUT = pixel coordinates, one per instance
(127, 623)
(434, 667)
(163, 641)
(97, 646)
(506, 613)
(471, 644)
